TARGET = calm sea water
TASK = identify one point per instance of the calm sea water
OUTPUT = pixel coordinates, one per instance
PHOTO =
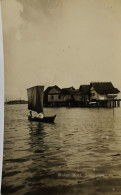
(81, 150)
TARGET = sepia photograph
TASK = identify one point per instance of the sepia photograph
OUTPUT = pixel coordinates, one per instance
(62, 97)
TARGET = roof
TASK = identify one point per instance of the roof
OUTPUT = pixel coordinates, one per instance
(50, 88)
(84, 88)
(104, 88)
(69, 90)
(77, 92)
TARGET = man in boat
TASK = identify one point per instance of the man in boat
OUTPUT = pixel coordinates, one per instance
(40, 115)
(30, 114)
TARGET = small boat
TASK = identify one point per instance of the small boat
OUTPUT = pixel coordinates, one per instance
(48, 119)
(35, 103)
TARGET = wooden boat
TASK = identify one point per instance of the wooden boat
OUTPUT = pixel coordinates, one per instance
(49, 119)
(35, 103)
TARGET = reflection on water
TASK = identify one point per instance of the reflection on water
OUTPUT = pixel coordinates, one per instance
(82, 145)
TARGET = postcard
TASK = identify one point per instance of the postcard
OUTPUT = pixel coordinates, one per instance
(62, 83)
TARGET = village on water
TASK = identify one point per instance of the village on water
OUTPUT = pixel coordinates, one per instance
(96, 94)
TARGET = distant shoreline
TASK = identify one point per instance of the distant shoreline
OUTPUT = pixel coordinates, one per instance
(16, 102)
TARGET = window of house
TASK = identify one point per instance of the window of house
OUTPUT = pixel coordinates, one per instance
(52, 97)
(59, 96)
(83, 97)
(93, 94)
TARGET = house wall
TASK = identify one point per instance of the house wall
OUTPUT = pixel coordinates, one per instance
(63, 98)
(77, 97)
(81, 97)
(102, 97)
(55, 98)
(56, 95)
(67, 97)
(85, 97)
(95, 96)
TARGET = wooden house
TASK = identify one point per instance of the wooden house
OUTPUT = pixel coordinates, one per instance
(102, 91)
(98, 94)
(84, 90)
(77, 95)
(52, 95)
(68, 94)
(74, 97)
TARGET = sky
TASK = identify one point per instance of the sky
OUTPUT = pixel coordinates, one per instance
(60, 42)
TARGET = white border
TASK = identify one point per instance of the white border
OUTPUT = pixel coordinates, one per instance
(1, 97)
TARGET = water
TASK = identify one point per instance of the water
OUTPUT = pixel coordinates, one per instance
(79, 154)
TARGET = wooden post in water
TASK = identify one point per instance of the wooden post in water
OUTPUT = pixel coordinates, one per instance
(113, 107)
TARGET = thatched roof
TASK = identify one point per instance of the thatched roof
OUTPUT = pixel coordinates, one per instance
(69, 90)
(50, 88)
(84, 88)
(104, 88)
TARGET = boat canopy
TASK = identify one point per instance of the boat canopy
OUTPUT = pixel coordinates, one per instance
(35, 98)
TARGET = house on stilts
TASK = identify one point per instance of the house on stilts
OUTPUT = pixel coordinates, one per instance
(96, 94)
(104, 94)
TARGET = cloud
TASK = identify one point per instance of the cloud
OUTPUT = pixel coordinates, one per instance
(45, 7)
(11, 11)
(61, 42)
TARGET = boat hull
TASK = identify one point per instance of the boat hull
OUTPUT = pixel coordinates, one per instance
(49, 119)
